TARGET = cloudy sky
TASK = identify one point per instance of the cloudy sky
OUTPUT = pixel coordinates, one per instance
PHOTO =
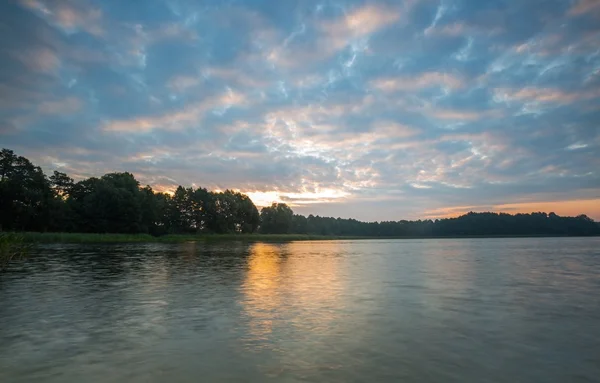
(369, 109)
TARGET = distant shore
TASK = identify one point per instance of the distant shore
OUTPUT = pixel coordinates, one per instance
(34, 237)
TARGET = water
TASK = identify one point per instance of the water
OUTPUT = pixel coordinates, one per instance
(455, 310)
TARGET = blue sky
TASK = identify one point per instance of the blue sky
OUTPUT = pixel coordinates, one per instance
(370, 109)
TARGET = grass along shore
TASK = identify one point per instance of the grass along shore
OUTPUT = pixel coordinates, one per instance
(36, 237)
(12, 248)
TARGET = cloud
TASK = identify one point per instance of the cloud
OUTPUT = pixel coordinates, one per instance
(67, 106)
(173, 31)
(181, 119)
(358, 23)
(69, 16)
(182, 83)
(335, 34)
(446, 114)
(266, 198)
(377, 110)
(14, 97)
(577, 146)
(439, 13)
(41, 60)
(581, 7)
(237, 77)
(455, 29)
(544, 95)
(423, 81)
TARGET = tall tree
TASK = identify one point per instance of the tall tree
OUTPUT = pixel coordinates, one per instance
(248, 216)
(181, 211)
(201, 201)
(62, 184)
(24, 194)
(111, 203)
(276, 219)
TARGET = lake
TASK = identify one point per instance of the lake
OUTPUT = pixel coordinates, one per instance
(431, 310)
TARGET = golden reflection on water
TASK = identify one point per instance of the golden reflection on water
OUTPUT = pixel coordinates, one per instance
(292, 287)
(313, 284)
(262, 295)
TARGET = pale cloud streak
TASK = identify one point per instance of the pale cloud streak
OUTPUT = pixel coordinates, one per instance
(544, 95)
(423, 81)
(439, 13)
(41, 60)
(67, 106)
(581, 7)
(181, 119)
(358, 23)
(183, 83)
(70, 17)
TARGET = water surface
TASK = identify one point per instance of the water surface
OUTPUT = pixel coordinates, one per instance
(451, 310)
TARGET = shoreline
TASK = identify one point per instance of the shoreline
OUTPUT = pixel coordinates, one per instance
(45, 238)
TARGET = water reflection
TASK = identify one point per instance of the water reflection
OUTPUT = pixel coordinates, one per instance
(293, 304)
(314, 284)
(384, 311)
(261, 290)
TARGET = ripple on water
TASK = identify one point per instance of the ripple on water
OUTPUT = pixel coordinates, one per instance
(495, 310)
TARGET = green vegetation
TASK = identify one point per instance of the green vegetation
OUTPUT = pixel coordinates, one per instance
(58, 209)
(36, 237)
(12, 248)
(277, 219)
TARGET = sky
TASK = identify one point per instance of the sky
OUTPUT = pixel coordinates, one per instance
(376, 110)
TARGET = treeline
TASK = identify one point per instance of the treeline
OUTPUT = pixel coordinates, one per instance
(471, 224)
(117, 203)
(113, 203)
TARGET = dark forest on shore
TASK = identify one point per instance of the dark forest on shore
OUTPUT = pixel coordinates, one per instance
(116, 203)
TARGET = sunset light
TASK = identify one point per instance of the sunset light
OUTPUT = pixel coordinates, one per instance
(299, 191)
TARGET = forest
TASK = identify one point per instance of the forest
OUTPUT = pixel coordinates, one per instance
(117, 203)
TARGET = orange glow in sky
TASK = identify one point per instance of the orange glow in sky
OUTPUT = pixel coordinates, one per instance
(590, 207)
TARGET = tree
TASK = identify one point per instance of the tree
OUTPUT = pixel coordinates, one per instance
(7, 160)
(276, 219)
(62, 184)
(248, 215)
(233, 212)
(110, 204)
(299, 224)
(202, 201)
(8, 189)
(180, 211)
(24, 194)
